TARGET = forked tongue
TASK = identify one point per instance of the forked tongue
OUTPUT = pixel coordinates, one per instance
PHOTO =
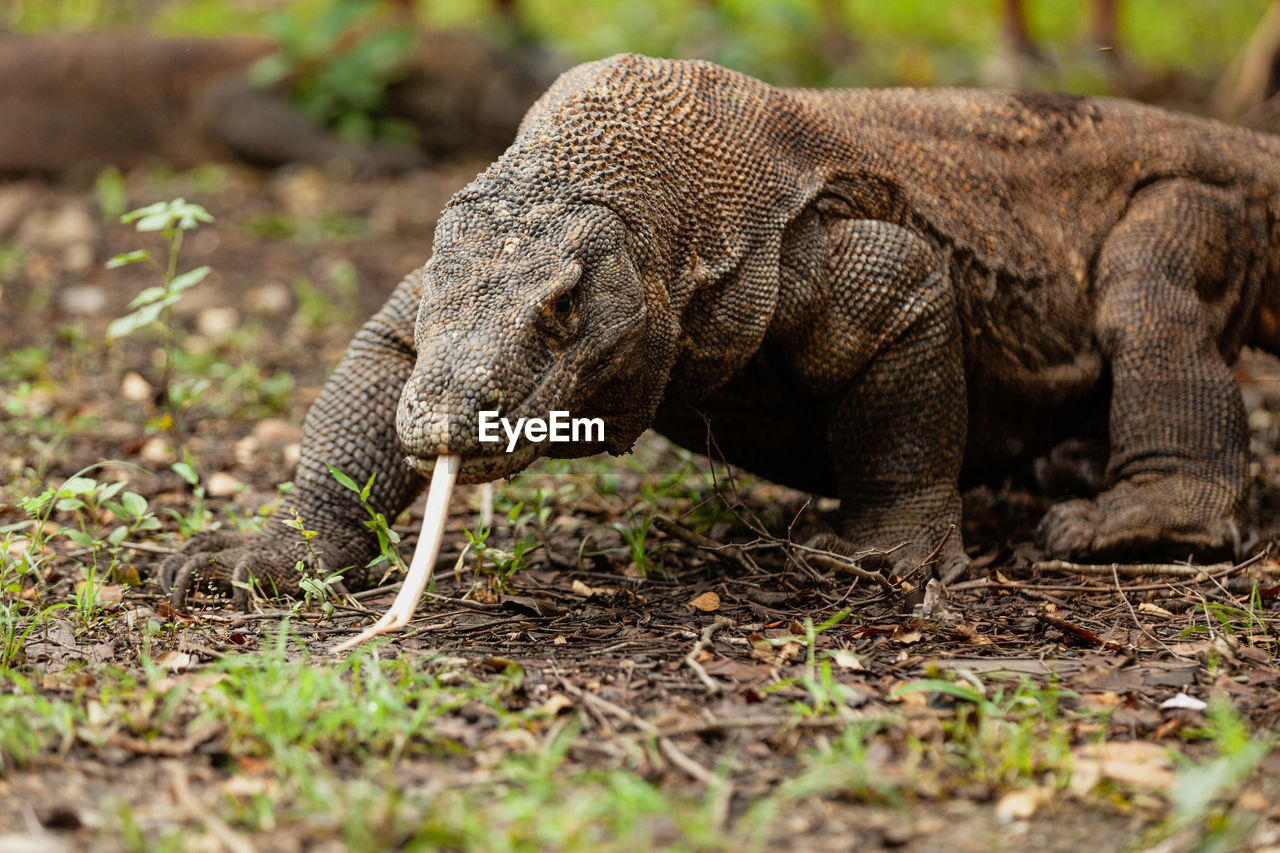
(424, 555)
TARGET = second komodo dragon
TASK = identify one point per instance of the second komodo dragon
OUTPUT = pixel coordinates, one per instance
(872, 294)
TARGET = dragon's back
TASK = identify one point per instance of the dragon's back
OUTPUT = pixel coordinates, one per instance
(1027, 182)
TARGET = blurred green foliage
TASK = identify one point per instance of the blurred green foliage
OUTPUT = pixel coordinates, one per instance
(799, 42)
(337, 60)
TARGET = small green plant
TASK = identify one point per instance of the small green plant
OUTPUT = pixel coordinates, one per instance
(109, 190)
(103, 516)
(15, 629)
(315, 590)
(88, 500)
(19, 565)
(1202, 787)
(636, 537)
(495, 567)
(154, 305)
(198, 517)
(27, 363)
(826, 694)
(1232, 619)
(388, 539)
(12, 257)
(1001, 738)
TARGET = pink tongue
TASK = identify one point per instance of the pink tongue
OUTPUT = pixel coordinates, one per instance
(424, 556)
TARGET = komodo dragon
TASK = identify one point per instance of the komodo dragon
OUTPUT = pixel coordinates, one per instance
(876, 294)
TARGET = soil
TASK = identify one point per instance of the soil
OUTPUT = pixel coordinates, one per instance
(300, 258)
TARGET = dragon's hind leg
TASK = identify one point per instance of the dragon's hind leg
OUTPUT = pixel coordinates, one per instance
(1177, 281)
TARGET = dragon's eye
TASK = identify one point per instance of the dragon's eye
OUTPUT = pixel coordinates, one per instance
(564, 304)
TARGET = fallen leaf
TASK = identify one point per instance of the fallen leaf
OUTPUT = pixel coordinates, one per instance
(1138, 763)
(173, 660)
(846, 659)
(245, 785)
(580, 588)
(1105, 701)
(555, 703)
(1253, 800)
(707, 602)
(773, 652)
(1182, 700)
(254, 764)
(105, 594)
(1154, 610)
(906, 638)
(738, 670)
(1022, 804)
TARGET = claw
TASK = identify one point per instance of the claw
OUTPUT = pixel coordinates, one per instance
(424, 556)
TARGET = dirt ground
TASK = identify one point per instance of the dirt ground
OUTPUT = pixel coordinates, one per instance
(680, 653)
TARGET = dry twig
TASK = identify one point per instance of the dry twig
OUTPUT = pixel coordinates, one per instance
(216, 826)
(672, 753)
(691, 537)
(704, 642)
(1134, 570)
(1137, 622)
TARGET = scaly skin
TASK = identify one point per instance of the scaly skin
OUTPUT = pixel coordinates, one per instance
(877, 294)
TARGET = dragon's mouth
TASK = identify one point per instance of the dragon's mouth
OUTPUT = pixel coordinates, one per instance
(481, 469)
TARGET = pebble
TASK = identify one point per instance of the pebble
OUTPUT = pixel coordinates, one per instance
(220, 484)
(245, 451)
(15, 201)
(272, 298)
(65, 226)
(156, 452)
(78, 257)
(275, 431)
(83, 299)
(134, 388)
(218, 321)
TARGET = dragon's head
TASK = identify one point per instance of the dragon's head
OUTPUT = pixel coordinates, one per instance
(525, 312)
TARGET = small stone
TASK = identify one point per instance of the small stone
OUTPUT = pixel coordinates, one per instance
(275, 431)
(218, 321)
(245, 451)
(292, 453)
(220, 484)
(15, 201)
(301, 190)
(272, 298)
(1260, 420)
(157, 452)
(134, 388)
(78, 257)
(66, 226)
(83, 299)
